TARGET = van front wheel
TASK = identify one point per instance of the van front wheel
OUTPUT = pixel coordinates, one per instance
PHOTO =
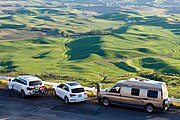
(149, 108)
(106, 102)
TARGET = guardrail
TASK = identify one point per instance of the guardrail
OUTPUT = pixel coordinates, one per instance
(174, 100)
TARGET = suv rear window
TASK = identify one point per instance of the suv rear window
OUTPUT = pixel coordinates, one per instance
(78, 90)
(35, 83)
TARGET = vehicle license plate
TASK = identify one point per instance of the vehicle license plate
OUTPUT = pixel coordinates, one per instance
(80, 95)
(36, 88)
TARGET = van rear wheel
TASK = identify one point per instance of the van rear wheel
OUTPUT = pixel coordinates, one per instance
(106, 102)
(149, 108)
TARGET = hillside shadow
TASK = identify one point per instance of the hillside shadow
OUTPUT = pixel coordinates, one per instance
(76, 22)
(121, 30)
(45, 18)
(11, 26)
(144, 50)
(119, 37)
(114, 16)
(84, 47)
(125, 66)
(49, 11)
(131, 20)
(42, 41)
(6, 18)
(161, 22)
(26, 12)
(158, 65)
(153, 63)
(8, 65)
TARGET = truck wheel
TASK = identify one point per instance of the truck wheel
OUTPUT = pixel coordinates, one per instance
(23, 94)
(149, 108)
(106, 102)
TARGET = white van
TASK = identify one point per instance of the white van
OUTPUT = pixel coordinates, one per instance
(139, 92)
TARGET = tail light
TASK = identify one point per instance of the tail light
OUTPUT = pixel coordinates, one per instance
(29, 88)
(85, 93)
(72, 95)
(43, 87)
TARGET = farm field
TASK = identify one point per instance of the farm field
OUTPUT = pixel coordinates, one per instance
(58, 39)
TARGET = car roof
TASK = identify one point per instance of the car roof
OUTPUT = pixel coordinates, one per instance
(73, 85)
(29, 78)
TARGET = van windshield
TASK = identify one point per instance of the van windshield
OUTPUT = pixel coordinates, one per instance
(78, 90)
(33, 83)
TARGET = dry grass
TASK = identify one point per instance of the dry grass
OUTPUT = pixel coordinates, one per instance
(3, 84)
(176, 105)
(91, 94)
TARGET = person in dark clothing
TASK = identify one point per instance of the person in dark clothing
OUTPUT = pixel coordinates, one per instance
(98, 86)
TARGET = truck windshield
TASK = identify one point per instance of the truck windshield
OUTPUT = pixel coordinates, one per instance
(35, 83)
(78, 90)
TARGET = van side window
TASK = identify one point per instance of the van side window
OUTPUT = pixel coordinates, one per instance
(152, 94)
(135, 91)
(115, 89)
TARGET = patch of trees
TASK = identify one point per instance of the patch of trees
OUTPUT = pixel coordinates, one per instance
(48, 31)
(98, 32)
(65, 34)
(25, 12)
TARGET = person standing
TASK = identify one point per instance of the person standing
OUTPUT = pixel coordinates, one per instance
(98, 86)
(10, 87)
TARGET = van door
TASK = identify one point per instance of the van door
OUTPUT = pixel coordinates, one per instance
(131, 96)
(114, 94)
(136, 97)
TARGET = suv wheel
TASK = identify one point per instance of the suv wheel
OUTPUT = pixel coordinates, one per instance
(106, 102)
(23, 94)
(54, 92)
(66, 100)
(149, 108)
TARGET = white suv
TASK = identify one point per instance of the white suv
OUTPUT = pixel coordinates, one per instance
(70, 92)
(28, 85)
